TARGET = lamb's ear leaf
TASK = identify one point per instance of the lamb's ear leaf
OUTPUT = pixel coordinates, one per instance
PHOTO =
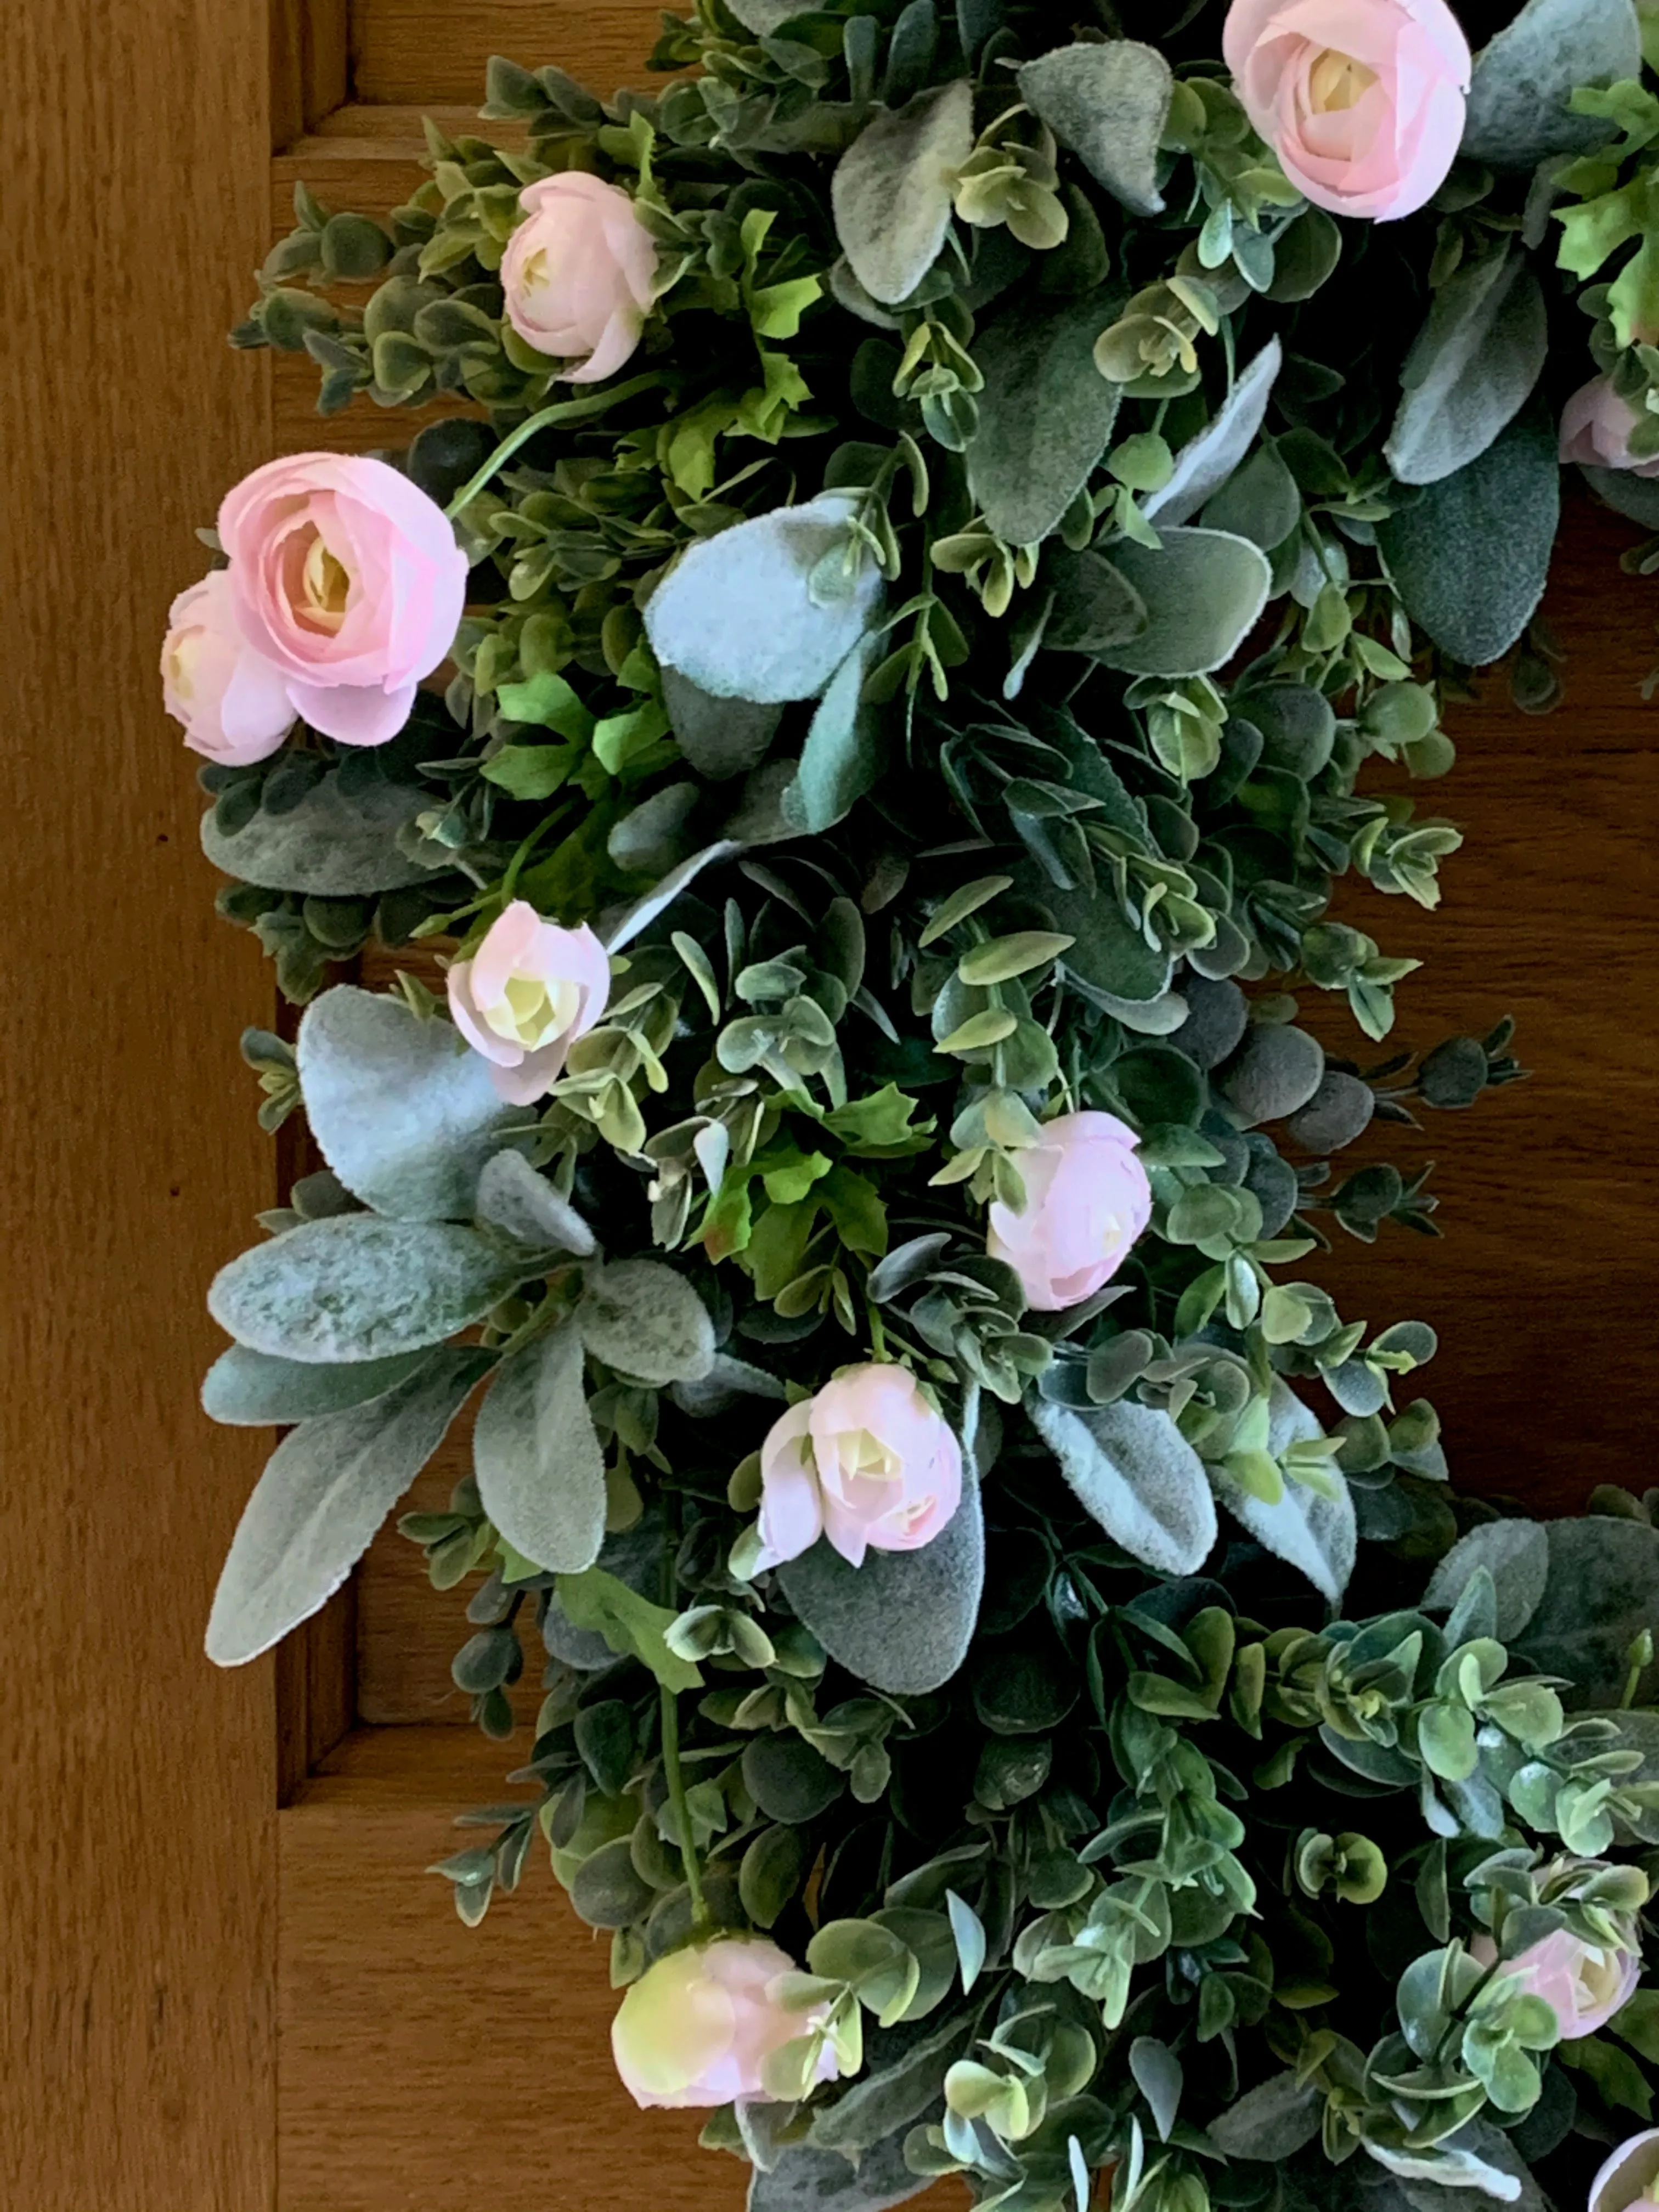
(891, 191)
(1320, 1535)
(537, 1457)
(903, 2079)
(524, 1205)
(646, 1319)
(1471, 367)
(1270, 2122)
(809, 2180)
(903, 1620)
(327, 847)
(1045, 416)
(720, 737)
(1205, 462)
(763, 18)
(356, 1287)
(1108, 102)
(326, 1490)
(1518, 113)
(403, 1109)
(802, 613)
(1602, 1591)
(1203, 591)
(1131, 1468)
(842, 756)
(1516, 1556)
(252, 1391)
(1471, 557)
(619, 928)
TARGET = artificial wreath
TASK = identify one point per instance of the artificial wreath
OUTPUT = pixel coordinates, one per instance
(940, 511)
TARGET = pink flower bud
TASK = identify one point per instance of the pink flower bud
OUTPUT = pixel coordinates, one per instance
(698, 2027)
(526, 995)
(233, 703)
(1086, 1201)
(869, 1461)
(578, 273)
(1596, 430)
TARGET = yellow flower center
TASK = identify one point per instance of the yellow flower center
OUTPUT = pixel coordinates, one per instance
(1337, 81)
(324, 587)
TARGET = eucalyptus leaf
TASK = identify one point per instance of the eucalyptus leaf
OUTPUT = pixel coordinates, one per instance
(524, 1205)
(252, 1391)
(1132, 1468)
(891, 191)
(1471, 367)
(720, 737)
(537, 1457)
(356, 1287)
(1205, 462)
(1518, 111)
(902, 1621)
(404, 1111)
(326, 1490)
(646, 1319)
(1108, 102)
(1045, 416)
(1204, 592)
(328, 846)
(792, 634)
(1516, 1554)
(1471, 556)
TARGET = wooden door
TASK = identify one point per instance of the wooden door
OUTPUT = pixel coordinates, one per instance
(212, 2003)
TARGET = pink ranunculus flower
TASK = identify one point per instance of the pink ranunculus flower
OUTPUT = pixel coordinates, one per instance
(1086, 1201)
(526, 995)
(347, 578)
(232, 703)
(869, 1461)
(698, 2027)
(1629, 2180)
(1596, 430)
(1583, 1984)
(1363, 101)
(579, 273)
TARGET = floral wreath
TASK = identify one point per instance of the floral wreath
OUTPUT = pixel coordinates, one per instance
(933, 528)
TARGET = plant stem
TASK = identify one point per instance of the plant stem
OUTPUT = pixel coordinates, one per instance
(670, 1761)
(562, 410)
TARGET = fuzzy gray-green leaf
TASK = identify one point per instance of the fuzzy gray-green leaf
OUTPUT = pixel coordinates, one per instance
(1109, 101)
(646, 1319)
(1523, 81)
(326, 846)
(1204, 592)
(891, 191)
(537, 1457)
(1045, 416)
(1205, 462)
(253, 1390)
(1471, 367)
(1132, 1468)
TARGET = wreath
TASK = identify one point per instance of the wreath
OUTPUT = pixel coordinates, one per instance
(939, 516)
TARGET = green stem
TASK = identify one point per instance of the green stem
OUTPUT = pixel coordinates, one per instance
(562, 410)
(670, 1761)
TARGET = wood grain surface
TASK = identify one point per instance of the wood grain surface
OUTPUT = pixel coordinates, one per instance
(137, 1838)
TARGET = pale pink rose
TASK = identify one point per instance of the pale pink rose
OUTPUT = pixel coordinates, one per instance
(579, 273)
(1583, 1984)
(1629, 2180)
(1086, 1201)
(526, 995)
(347, 578)
(232, 703)
(868, 1461)
(1363, 101)
(1596, 430)
(698, 2027)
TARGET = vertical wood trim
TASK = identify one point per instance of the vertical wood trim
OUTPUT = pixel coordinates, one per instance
(310, 65)
(137, 1828)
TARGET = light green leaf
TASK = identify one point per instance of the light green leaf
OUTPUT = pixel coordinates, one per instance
(358, 1287)
(1131, 1468)
(252, 1391)
(514, 1199)
(1516, 1556)
(327, 847)
(547, 701)
(326, 1490)
(891, 191)
(1204, 592)
(790, 637)
(1471, 556)
(1045, 416)
(1471, 367)
(1518, 110)
(630, 1625)
(1109, 101)
(403, 1109)
(536, 1457)
(646, 1319)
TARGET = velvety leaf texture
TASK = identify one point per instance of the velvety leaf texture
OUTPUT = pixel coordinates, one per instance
(1133, 1469)
(1108, 102)
(326, 846)
(539, 1467)
(892, 186)
(1523, 81)
(1045, 416)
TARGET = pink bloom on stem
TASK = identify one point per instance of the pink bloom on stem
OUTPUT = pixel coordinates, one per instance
(579, 273)
(348, 579)
(1596, 430)
(232, 703)
(1363, 101)
(1583, 1984)
(699, 2025)
(1086, 1201)
(1629, 2180)
(867, 1462)
(526, 995)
